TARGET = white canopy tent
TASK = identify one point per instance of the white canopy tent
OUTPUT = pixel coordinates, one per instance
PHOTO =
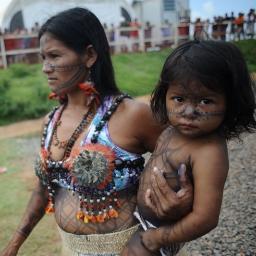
(25, 13)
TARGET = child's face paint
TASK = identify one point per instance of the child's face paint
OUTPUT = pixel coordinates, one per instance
(195, 110)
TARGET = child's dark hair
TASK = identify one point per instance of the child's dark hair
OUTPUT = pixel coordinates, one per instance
(219, 66)
(78, 28)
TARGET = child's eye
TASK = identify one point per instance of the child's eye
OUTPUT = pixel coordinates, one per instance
(205, 101)
(177, 99)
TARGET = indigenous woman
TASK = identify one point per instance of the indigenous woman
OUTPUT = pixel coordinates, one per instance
(92, 144)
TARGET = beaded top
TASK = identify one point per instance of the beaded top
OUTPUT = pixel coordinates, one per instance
(95, 170)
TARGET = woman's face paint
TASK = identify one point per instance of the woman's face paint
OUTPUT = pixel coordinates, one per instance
(63, 66)
(195, 110)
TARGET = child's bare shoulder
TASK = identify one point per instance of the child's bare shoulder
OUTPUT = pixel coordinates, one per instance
(213, 142)
(211, 151)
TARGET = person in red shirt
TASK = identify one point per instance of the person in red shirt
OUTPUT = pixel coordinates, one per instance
(240, 25)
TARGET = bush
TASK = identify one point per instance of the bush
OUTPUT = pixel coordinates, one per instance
(23, 93)
(19, 71)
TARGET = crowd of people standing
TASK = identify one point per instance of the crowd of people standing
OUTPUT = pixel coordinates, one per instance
(128, 36)
(228, 27)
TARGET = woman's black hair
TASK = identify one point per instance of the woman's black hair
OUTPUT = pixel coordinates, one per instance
(77, 28)
(219, 66)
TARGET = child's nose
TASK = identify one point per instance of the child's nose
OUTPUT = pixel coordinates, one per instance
(190, 111)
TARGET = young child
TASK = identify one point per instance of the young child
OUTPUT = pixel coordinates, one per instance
(205, 97)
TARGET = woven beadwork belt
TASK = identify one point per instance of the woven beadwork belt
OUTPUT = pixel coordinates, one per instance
(110, 243)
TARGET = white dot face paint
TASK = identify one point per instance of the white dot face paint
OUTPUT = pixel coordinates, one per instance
(195, 110)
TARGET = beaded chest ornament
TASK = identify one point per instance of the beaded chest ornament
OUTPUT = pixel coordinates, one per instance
(88, 171)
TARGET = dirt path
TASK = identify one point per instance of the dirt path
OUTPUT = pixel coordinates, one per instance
(34, 126)
(20, 128)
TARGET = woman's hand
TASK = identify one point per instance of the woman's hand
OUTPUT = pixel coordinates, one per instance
(166, 203)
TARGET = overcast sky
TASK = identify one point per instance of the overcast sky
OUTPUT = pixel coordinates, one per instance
(209, 8)
(199, 8)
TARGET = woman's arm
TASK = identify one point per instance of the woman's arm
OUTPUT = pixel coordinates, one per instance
(209, 173)
(34, 212)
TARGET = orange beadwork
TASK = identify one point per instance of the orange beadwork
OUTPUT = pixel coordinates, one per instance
(86, 219)
(92, 218)
(80, 215)
(113, 213)
(44, 153)
(50, 207)
(52, 96)
(55, 96)
(88, 89)
(44, 156)
(101, 217)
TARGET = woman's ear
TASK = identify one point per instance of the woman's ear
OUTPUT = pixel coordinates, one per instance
(90, 56)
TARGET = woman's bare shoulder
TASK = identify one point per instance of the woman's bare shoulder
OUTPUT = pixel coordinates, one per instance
(139, 116)
(136, 106)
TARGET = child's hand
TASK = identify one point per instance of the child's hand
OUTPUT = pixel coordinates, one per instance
(150, 240)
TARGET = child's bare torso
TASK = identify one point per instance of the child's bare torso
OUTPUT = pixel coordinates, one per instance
(171, 151)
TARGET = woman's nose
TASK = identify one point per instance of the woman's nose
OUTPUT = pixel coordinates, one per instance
(47, 67)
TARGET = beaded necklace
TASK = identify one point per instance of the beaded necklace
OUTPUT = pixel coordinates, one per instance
(87, 118)
(61, 144)
(69, 144)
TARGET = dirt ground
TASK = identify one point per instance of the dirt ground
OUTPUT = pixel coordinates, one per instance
(34, 126)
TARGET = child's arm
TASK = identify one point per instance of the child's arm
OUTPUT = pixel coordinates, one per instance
(210, 168)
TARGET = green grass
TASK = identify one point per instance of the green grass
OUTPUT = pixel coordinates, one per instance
(15, 189)
(248, 48)
(138, 73)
